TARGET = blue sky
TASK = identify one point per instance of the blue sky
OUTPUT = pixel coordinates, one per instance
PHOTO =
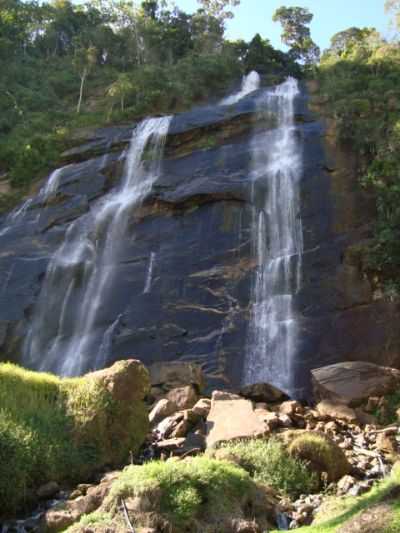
(330, 16)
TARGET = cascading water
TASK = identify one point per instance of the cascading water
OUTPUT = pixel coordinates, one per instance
(65, 336)
(250, 83)
(278, 242)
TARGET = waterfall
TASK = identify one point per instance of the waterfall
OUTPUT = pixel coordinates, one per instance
(149, 276)
(250, 83)
(278, 243)
(67, 335)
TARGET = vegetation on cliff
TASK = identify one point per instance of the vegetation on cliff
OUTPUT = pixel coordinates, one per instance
(360, 79)
(67, 65)
(54, 429)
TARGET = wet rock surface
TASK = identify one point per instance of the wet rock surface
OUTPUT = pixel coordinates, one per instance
(196, 225)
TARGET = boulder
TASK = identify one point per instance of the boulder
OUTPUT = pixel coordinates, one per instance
(170, 375)
(202, 407)
(48, 490)
(263, 392)
(183, 397)
(291, 408)
(161, 410)
(337, 411)
(353, 382)
(231, 419)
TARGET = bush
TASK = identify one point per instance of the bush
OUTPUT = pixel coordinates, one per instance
(198, 494)
(54, 429)
(185, 487)
(321, 454)
(362, 88)
(269, 463)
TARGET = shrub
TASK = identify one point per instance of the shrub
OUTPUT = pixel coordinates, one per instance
(321, 453)
(269, 463)
(200, 495)
(54, 429)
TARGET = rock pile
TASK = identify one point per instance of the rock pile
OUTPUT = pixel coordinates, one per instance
(186, 423)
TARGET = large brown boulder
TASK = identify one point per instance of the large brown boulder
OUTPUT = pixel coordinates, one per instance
(352, 382)
(232, 418)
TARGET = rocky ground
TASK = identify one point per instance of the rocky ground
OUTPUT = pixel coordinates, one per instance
(184, 424)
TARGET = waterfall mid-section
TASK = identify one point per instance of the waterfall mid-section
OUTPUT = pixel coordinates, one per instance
(250, 83)
(67, 335)
(278, 242)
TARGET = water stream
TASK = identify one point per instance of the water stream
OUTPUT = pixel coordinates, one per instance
(66, 335)
(250, 83)
(278, 243)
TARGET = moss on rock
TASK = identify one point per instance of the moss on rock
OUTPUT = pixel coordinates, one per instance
(198, 495)
(54, 429)
(321, 453)
(269, 463)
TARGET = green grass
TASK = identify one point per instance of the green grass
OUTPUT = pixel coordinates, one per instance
(183, 492)
(59, 430)
(388, 415)
(323, 455)
(269, 463)
(340, 510)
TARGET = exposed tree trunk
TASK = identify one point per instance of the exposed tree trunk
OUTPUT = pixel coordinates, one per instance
(83, 78)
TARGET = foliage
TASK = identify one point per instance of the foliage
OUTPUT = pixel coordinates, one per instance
(388, 415)
(296, 33)
(337, 512)
(110, 61)
(182, 491)
(360, 78)
(322, 454)
(54, 429)
(269, 463)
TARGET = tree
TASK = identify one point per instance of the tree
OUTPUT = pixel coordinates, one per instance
(296, 33)
(217, 8)
(393, 6)
(83, 61)
(120, 89)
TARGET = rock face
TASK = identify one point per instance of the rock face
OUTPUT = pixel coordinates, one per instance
(194, 229)
(353, 382)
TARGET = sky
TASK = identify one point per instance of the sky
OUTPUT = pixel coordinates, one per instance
(330, 16)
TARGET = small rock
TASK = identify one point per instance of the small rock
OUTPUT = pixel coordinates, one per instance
(48, 490)
(291, 408)
(262, 392)
(387, 444)
(184, 397)
(285, 421)
(202, 407)
(161, 410)
(219, 395)
(171, 444)
(75, 494)
(181, 429)
(269, 418)
(345, 484)
(358, 489)
(58, 520)
(336, 411)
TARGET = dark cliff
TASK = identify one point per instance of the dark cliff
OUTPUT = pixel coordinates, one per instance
(195, 227)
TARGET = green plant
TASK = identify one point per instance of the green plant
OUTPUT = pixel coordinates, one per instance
(269, 463)
(183, 491)
(59, 429)
(321, 453)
